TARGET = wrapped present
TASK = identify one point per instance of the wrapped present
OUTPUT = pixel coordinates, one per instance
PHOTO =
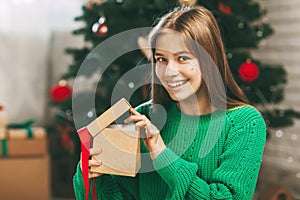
(25, 178)
(31, 133)
(25, 130)
(3, 124)
(3, 133)
(23, 140)
(3, 127)
(3, 121)
(26, 147)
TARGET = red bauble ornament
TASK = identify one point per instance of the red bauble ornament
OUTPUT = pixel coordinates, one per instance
(1, 107)
(224, 9)
(65, 140)
(248, 72)
(100, 29)
(60, 92)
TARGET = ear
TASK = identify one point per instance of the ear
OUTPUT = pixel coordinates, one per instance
(144, 46)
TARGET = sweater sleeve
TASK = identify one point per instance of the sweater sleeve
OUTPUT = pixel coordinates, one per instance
(236, 175)
(107, 187)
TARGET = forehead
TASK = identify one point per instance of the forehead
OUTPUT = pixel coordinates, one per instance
(170, 42)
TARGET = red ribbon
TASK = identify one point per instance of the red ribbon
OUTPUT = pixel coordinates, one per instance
(85, 139)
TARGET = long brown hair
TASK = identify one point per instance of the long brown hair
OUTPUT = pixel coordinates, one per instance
(201, 33)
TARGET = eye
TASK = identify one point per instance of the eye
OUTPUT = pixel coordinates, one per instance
(160, 60)
(183, 58)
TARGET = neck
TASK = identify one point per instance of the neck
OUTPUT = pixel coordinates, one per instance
(199, 105)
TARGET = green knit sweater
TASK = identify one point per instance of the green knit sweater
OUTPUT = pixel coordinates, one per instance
(214, 156)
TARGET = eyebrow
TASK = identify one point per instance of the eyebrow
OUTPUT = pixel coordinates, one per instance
(178, 53)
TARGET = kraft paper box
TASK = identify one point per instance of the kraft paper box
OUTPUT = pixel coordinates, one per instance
(19, 133)
(20, 148)
(3, 125)
(25, 178)
(17, 143)
(27, 147)
(120, 144)
(3, 121)
(3, 133)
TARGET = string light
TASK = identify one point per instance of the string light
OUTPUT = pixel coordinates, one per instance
(294, 137)
(131, 85)
(290, 159)
(279, 133)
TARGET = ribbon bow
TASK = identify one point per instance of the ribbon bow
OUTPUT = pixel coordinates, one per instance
(25, 125)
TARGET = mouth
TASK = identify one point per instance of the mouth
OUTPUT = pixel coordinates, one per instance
(176, 84)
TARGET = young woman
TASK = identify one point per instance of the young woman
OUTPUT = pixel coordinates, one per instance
(206, 142)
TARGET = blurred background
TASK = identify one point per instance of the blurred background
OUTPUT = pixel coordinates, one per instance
(43, 44)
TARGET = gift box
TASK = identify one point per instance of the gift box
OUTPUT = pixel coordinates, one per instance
(21, 142)
(3, 121)
(3, 126)
(25, 178)
(120, 154)
(3, 133)
(26, 147)
(120, 144)
(32, 133)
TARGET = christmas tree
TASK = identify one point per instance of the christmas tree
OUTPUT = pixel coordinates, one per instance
(242, 25)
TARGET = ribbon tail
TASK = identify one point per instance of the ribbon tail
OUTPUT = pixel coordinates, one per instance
(85, 170)
(85, 149)
(94, 190)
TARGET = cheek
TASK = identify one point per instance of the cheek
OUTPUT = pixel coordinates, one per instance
(195, 77)
(192, 73)
(198, 79)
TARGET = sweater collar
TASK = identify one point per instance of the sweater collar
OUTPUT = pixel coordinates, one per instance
(174, 112)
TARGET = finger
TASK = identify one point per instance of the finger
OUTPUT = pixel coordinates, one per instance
(133, 111)
(133, 118)
(152, 129)
(148, 134)
(94, 174)
(138, 129)
(94, 163)
(141, 124)
(95, 151)
(143, 130)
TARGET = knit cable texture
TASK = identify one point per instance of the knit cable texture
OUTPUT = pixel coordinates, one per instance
(232, 143)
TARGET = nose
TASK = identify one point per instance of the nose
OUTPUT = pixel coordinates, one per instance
(171, 69)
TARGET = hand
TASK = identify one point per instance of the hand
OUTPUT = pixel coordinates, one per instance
(93, 151)
(152, 138)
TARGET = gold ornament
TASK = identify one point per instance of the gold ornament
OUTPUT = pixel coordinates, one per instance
(187, 2)
(90, 3)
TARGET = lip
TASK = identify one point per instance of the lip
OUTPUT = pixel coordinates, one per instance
(176, 85)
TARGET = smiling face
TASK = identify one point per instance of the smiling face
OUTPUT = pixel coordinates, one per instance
(176, 67)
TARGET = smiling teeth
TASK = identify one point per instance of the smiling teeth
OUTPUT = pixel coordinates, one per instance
(176, 84)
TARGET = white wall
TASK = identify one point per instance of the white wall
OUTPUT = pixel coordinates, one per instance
(282, 156)
(27, 29)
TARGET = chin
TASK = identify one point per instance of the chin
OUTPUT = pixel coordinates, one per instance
(183, 97)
